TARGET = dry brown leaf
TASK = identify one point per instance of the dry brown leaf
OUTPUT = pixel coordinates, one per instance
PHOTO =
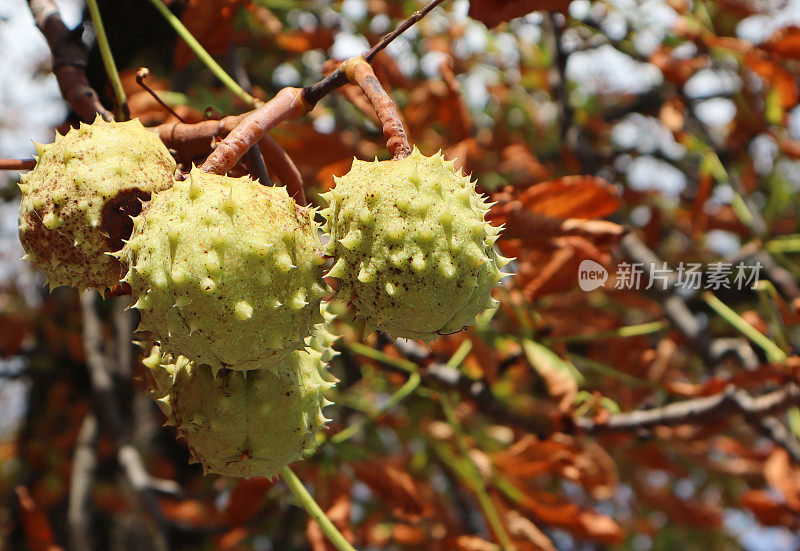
(586, 464)
(690, 511)
(474, 543)
(299, 41)
(211, 23)
(493, 12)
(572, 197)
(318, 156)
(462, 153)
(521, 162)
(552, 509)
(674, 69)
(785, 43)
(545, 271)
(406, 534)
(523, 528)
(783, 477)
(768, 510)
(35, 524)
(338, 495)
(776, 77)
(245, 500)
(395, 487)
(190, 511)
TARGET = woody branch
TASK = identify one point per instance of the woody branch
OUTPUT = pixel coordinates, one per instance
(69, 60)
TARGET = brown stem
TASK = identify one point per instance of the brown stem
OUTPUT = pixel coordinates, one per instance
(17, 164)
(194, 139)
(286, 105)
(360, 72)
(142, 74)
(284, 167)
(313, 94)
(69, 61)
(698, 410)
(191, 140)
(255, 162)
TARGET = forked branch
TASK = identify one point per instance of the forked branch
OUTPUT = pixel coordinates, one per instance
(286, 105)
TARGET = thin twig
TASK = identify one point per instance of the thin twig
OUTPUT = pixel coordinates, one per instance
(776, 431)
(314, 511)
(142, 74)
(69, 61)
(203, 55)
(558, 79)
(674, 304)
(337, 78)
(474, 477)
(84, 465)
(256, 163)
(288, 103)
(442, 375)
(400, 394)
(698, 410)
(17, 164)
(772, 350)
(108, 61)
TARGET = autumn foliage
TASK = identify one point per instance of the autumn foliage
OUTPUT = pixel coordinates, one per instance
(647, 416)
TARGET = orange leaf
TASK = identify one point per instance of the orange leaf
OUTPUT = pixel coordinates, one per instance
(551, 509)
(299, 41)
(38, 532)
(211, 23)
(782, 476)
(775, 76)
(521, 162)
(768, 511)
(493, 12)
(474, 543)
(245, 500)
(334, 497)
(675, 69)
(545, 271)
(572, 197)
(785, 43)
(523, 528)
(395, 487)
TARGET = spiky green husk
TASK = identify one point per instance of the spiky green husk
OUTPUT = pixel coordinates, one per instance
(322, 337)
(411, 246)
(226, 272)
(244, 424)
(77, 201)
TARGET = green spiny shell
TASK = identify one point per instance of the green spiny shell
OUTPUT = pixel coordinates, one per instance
(411, 246)
(244, 423)
(226, 272)
(77, 201)
(322, 337)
